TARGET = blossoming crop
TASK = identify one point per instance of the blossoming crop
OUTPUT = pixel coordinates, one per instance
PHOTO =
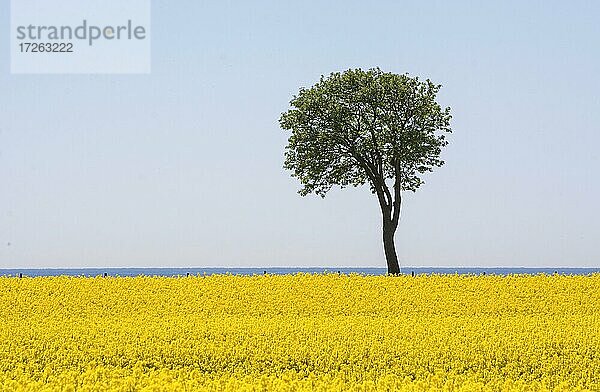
(301, 332)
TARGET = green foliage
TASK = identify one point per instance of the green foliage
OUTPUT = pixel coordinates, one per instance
(365, 127)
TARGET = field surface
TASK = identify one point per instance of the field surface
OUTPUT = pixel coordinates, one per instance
(301, 332)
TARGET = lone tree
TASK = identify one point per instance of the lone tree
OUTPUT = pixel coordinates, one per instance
(366, 127)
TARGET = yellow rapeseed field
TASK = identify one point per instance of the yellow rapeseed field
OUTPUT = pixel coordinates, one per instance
(301, 332)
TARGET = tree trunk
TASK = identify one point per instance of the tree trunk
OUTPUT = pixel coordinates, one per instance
(389, 248)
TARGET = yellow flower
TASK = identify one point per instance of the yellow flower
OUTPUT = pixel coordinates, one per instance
(304, 332)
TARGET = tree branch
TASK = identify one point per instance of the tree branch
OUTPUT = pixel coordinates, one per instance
(397, 194)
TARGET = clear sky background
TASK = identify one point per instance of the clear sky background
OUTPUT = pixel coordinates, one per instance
(183, 167)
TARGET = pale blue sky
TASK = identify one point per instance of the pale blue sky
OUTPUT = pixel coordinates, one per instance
(183, 167)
